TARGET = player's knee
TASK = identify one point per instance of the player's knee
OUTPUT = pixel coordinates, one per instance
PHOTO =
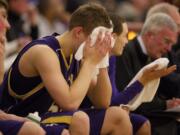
(80, 123)
(81, 118)
(65, 132)
(30, 128)
(147, 124)
(34, 128)
(120, 117)
(117, 114)
(145, 128)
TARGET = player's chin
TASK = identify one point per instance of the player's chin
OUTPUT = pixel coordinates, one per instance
(118, 53)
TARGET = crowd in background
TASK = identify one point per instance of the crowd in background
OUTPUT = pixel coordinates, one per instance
(31, 19)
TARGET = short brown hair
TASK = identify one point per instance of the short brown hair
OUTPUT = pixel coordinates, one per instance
(3, 3)
(89, 16)
(117, 22)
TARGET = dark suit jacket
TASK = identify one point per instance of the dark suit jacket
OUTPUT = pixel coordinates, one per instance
(127, 65)
(172, 81)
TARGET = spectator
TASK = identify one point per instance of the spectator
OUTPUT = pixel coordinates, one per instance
(169, 86)
(50, 17)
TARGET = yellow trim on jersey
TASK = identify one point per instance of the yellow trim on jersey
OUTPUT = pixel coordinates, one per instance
(57, 119)
(24, 96)
(65, 61)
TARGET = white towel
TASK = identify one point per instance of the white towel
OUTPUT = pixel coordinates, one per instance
(149, 90)
(105, 61)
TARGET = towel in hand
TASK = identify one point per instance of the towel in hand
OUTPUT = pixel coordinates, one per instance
(105, 61)
(149, 90)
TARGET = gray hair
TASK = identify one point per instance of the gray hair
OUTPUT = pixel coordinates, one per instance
(161, 8)
(157, 22)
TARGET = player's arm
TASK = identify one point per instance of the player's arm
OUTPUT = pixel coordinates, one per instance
(2, 55)
(46, 63)
(100, 91)
(5, 116)
(1, 63)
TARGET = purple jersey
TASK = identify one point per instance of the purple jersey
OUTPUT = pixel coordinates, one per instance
(21, 95)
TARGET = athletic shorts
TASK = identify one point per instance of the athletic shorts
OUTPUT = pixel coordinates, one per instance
(56, 122)
(54, 129)
(10, 127)
(96, 117)
(137, 121)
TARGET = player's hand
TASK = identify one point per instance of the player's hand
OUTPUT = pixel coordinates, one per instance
(2, 47)
(2, 51)
(2, 56)
(95, 53)
(152, 73)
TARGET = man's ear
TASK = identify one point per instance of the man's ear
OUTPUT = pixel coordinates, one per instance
(77, 32)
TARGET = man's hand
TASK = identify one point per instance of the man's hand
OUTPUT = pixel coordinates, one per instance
(152, 73)
(95, 53)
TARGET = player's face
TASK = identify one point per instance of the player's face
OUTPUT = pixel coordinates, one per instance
(4, 24)
(120, 41)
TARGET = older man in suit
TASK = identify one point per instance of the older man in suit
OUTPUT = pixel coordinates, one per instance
(155, 40)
